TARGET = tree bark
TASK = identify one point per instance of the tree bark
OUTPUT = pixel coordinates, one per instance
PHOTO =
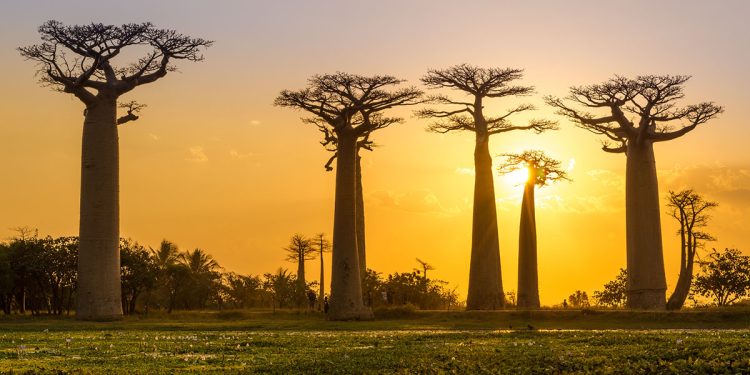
(346, 286)
(528, 279)
(301, 279)
(360, 220)
(485, 279)
(646, 279)
(99, 294)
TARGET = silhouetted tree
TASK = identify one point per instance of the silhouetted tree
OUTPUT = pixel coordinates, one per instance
(579, 299)
(298, 251)
(80, 60)
(651, 99)
(690, 209)
(203, 276)
(329, 142)
(138, 273)
(485, 277)
(349, 106)
(425, 267)
(615, 293)
(541, 170)
(322, 245)
(725, 276)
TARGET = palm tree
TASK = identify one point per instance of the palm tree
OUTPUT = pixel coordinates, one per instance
(202, 271)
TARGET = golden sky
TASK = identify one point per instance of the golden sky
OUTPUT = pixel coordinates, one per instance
(212, 164)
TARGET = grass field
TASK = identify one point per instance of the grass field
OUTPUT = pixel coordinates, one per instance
(431, 342)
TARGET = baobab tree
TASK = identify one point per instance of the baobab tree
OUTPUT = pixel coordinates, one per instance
(329, 142)
(298, 251)
(347, 105)
(80, 60)
(690, 209)
(425, 267)
(322, 246)
(541, 170)
(636, 114)
(480, 84)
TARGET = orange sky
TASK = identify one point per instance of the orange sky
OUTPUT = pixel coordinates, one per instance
(212, 164)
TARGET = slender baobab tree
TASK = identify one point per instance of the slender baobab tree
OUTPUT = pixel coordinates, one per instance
(322, 246)
(425, 267)
(636, 114)
(298, 251)
(479, 84)
(329, 142)
(347, 105)
(80, 60)
(541, 170)
(690, 209)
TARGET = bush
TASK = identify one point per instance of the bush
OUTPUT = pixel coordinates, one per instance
(396, 312)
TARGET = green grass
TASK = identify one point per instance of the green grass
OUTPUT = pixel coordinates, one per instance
(431, 342)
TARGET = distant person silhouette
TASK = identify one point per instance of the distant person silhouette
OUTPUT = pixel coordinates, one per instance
(311, 297)
(325, 305)
(565, 304)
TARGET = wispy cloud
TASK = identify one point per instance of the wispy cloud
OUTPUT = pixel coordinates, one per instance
(153, 136)
(238, 155)
(197, 155)
(465, 171)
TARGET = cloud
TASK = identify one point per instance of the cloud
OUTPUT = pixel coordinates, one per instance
(465, 171)
(153, 136)
(419, 201)
(254, 122)
(730, 186)
(239, 156)
(197, 155)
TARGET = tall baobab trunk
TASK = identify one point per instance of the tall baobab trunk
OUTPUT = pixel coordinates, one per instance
(646, 280)
(528, 279)
(322, 293)
(99, 294)
(687, 258)
(346, 286)
(360, 220)
(301, 275)
(485, 279)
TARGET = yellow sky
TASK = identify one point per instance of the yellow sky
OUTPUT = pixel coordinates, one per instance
(212, 164)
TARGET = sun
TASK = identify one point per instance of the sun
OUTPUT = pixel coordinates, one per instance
(517, 177)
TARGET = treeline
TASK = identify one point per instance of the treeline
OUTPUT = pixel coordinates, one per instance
(38, 276)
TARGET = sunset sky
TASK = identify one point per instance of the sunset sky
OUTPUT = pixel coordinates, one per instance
(213, 164)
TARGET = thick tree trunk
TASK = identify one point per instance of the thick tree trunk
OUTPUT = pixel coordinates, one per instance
(360, 220)
(346, 286)
(485, 279)
(528, 279)
(98, 255)
(646, 280)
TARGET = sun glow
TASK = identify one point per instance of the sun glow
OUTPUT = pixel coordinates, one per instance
(517, 177)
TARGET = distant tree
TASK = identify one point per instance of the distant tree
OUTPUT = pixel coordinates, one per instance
(244, 291)
(282, 286)
(651, 99)
(298, 251)
(541, 170)
(350, 106)
(579, 300)
(204, 276)
(724, 277)
(690, 209)
(480, 84)
(6, 280)
(138, 273)
(510, 299)
(80, 60)
(322, 245)
(615, 293)
(425, 267)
